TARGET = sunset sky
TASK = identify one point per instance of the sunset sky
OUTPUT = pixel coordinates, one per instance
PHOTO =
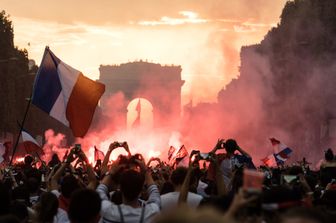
(203, 36)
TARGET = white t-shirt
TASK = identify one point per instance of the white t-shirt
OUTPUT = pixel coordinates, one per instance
(170, 200)
(61, 217)
(201, 189)
(109, 211)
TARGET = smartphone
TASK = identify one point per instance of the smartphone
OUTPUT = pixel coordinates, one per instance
(78, 148)
(289, 178)
(204, 156)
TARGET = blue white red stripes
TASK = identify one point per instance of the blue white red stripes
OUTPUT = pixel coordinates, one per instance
(66, 94)
(280, 154)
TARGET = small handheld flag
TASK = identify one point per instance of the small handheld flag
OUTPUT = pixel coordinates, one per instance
(282, 151)
(98, 154)
(171, 152)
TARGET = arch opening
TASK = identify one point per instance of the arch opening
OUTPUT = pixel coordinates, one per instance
(140, 114)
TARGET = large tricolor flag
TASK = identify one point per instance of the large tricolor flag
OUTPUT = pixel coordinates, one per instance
(66, 94)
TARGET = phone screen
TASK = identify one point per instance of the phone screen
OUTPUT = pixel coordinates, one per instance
(204, 155)
(289, 178)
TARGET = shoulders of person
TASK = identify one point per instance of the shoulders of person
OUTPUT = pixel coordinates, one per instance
(61, 216)
(169, 199)
(108, 208)
(170, 195)
(150, 210)
(56, 192)
(194, 196)
(194, 200)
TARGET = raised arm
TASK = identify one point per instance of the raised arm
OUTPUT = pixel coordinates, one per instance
(57, 176)
(220, 183)
(185, 186)
(152, 189)
(93, 182)
(218, 145)
(104, 167)
(243, 152)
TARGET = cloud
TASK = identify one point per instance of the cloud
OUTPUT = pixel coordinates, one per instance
(189, 17)
(190, 33)
(107, 12)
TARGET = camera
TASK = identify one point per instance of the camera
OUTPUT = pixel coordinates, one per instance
(77, 148)
(205, 156)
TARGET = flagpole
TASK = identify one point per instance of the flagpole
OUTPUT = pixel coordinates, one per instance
(21, 129)
(26, 112)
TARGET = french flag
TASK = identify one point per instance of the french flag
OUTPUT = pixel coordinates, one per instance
(66, 94)
(284, 153)
(269, 161)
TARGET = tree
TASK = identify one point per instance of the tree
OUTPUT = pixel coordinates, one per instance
(13, 66)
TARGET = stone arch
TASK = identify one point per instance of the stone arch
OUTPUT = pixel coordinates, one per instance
(161, 85)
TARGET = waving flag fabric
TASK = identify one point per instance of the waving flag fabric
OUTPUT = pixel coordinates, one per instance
(98, 154)
(66, 94)
(171, 152)
(181, 153)
(280, 154)
(282, 151)
(29, 144)
(283, 155)
(269, 160)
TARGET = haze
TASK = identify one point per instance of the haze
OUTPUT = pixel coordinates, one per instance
(203, 36)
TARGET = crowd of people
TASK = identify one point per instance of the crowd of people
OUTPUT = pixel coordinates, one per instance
(220, 186)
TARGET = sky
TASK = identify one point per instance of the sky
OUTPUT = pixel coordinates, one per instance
(203, 36)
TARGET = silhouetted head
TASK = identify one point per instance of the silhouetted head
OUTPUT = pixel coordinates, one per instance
(230, 146)
(131, 184)
(84, 206)
(69, 185)
(329, 155)
(33, 184)
(178, 175)
(28, 160)
(54, 160)
(47, 207)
